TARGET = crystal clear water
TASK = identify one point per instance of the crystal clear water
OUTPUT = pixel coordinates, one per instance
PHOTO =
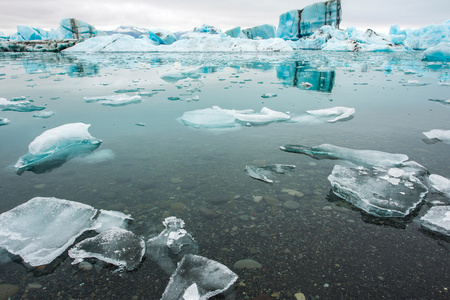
(325, 248)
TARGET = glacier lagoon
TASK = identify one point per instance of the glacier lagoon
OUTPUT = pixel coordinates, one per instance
(151, 165)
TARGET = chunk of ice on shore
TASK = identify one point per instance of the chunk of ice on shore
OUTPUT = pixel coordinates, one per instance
(110, 218)
(115, 245)
(437, 219)
(440, 184)
(339, 113)
(114, 100)
(171, 245)
(266, 173)
(43, 228)
(377, 192)
(57, 145)
(439, 134)
(197, 277)
(359, 157)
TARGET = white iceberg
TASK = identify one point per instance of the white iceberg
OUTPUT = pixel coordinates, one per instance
(115, 246)
(19, 106)
(438, 134)
(114, 100)
(437, 219)
(339, 113)
(199, 278)
(265, 116)
(113, 43)
(208, 118)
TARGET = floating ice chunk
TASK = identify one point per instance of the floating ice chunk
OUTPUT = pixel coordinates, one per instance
(110, 218)
(115, 246)
(114, 100)
(341, 113)
(264, 117)
(269, 95)
(199, 278)
(176, 76)
(359, 157)
(265, 31)
(44, 114)
(414, 83)
(43, 228)
(208, 118)
(440, 183)
(306, 85)
(121, 91)
(265, 173)
(161, 36)
(443, 101)
(378, 193)
(440, 52)
(4, 121)
(439, 134)
(20, 106)
(171, 245)
(56, 146)
(114, 43)
(437, 219)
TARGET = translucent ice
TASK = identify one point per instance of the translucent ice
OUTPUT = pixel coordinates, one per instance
(265, 31)
(199, 278)
(171, 245)
(110, 218)
(440, 184)
(56, 146)
(44, 114)
(114, 100)
(338, 113)
(360, 157)
(440, 52)
(438, 134)
(208, 118)
(437, 219)
(266, 173)
(43, 228)
(378, 191)
(116, 246)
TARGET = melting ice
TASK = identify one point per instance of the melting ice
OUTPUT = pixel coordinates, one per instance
(266, 173)
(438, 135)
(114, 100)
(338, 113)
(437, 219)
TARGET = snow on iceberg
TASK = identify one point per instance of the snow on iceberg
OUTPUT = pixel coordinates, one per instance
(339, 113)
(266, 173)
(440, 52)
(199, 278)
(56, 146)
(368, 158)
(115, 246)
(114, 100)
(393, 192)
(437, 219)
(439, 135)
(113, 43)
(171, 245)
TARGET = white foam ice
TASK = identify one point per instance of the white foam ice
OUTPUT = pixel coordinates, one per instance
(339, 113)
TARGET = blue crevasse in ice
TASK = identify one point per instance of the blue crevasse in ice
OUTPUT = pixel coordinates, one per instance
(265, 31)
(296, 24)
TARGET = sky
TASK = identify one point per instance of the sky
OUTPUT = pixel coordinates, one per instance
(184, 15)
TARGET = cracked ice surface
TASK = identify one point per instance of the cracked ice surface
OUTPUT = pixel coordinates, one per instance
(197, 277)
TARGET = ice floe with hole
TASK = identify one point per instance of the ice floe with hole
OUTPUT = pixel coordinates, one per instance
(199, 278)
(56, 146)
(382, 192)
(114, 100)
(338, 113)
(171, 245)
(42, 228)
(437, 219)
(19, 106)
(439, 135)
(116, 246)
(266, 173)
(440, 184)
(368, 158)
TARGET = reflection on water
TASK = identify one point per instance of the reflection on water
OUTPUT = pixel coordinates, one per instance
(306, 239)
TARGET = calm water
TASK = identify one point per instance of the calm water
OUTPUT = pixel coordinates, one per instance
(325, 249)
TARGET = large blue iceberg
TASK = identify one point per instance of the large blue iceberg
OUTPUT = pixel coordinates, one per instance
(265, 31)
(296, 24)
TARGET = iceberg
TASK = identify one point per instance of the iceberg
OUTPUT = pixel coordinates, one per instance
(208, 118)
(171, 245)
(4, 121)
(41, 229)
(114, 100)
(437, 219)
(265, 116)
(113, 43)
(199, 278)
(43, 114)
(438, 135)
(424, 37)
(339, 113)
(368, 158)
(440, 52)
(19, 106)
(116, 246)
(265, 173)
(56, 146)
(236, 32)
(28, 33)
(265, 31)
(440, 184)
(386, 193)
(296, 24)
(161, 36)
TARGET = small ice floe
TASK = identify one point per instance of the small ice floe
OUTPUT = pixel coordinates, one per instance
(173, 98)
(266, 173)
(269, 95)
(368, 158)
(440, 184)
(437, 219)
(115, 246)
(123, 91)
(171, 245)
(56, 146)
(198, 278)
(19, 106)
(437, 135)
(265, 116)
(140, 124)
(306, 85)
(114, 100)
(441, 100)
(378, 191)
(413, 83)
(147, 94)
(339, 113)
(173, 77)
(4, 121)
(43, 114)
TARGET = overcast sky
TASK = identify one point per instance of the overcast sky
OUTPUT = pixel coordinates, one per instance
(182, 15)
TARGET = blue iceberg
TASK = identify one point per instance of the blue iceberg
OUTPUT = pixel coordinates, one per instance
(56, 146)
(265, 31)
(161, 36)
